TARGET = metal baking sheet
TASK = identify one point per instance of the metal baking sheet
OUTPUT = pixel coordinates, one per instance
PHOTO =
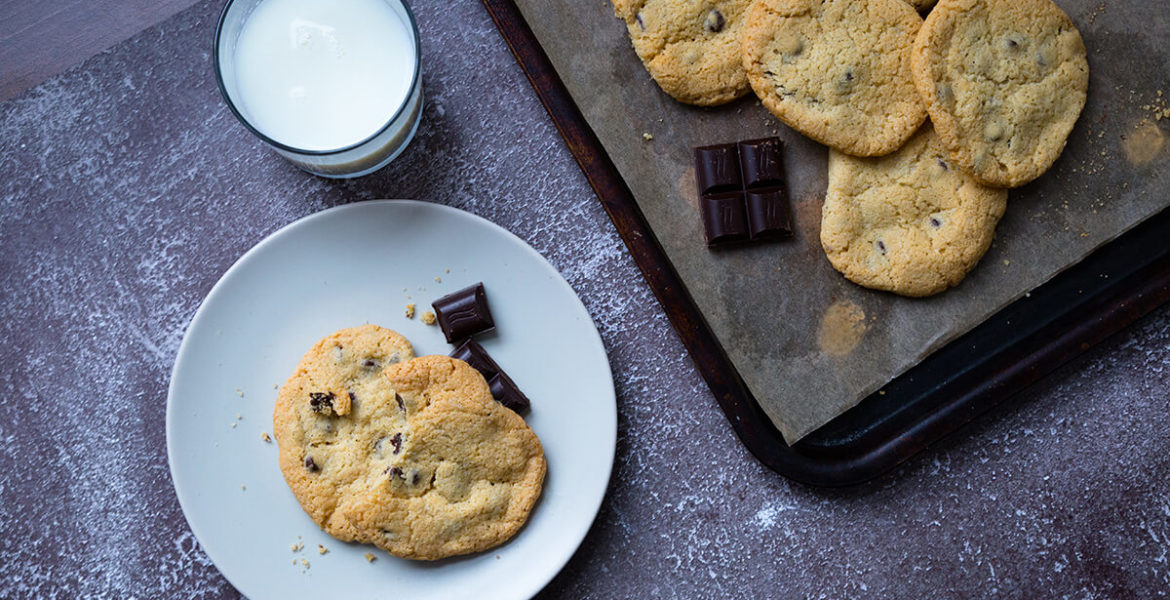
(809, 344)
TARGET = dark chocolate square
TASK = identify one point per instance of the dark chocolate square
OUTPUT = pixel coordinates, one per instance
(724, 218)
(760, 163)
(505, 391)
(463, 313)
(474, 354)
(769, 216)
(717, 168)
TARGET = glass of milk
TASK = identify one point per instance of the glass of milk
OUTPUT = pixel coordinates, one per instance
(333, 86)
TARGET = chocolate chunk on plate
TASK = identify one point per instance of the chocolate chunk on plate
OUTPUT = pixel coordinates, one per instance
(503, 389)
(464, 313)
(474, 354)
(505, 392)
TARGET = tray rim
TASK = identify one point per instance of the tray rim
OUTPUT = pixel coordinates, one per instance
(954, 399)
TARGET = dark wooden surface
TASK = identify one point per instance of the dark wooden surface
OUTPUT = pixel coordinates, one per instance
(128, 189)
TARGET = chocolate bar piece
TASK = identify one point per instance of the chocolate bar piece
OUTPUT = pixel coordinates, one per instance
(464, 313)
(503, 389)
(760, 161)
(717, 168)
(474, 354)
(750, 208)
(505, 392)
(768, 215)
(724, 218)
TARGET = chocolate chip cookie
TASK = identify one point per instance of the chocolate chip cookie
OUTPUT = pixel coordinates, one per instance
(1004, 82)
(837, 71)
(911, 223)
(320, 415)
(690, 48)
(450, 470)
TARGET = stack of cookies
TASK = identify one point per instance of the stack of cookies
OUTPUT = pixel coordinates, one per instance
(412, 455)
(911, 205)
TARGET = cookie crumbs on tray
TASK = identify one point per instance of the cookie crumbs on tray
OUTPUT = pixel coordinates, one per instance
(370, 557)
(321, 549)
(264, 436)
(410, 311)
(647, 136)
(428, 318)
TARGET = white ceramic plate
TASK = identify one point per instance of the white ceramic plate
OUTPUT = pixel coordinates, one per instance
(362, 263)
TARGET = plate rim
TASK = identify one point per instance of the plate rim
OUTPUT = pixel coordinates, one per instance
(307, 221)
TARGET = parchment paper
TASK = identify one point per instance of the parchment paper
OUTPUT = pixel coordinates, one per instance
(808, 343)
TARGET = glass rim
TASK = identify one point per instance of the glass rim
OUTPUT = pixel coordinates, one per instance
(293, 149)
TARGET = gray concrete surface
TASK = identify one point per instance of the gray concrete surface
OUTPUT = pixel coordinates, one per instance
(126, 190)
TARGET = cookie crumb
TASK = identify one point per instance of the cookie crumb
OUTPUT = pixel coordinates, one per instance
(297, 547)
(239, 392)
(449, 270)
(321, 549)
(243, 488)
(239, 416)
(1006, 262)
(234, 425)
(881, 392)
(276, 386)
(410, 311)
(305, 561)
(428, 318)
(264, 436)
(438, 280)
(370, 557)
(647, 136)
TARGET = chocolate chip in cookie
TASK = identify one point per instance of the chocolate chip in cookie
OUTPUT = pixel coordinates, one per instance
(322, 402)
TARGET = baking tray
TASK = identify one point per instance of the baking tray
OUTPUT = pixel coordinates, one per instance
(975, 373)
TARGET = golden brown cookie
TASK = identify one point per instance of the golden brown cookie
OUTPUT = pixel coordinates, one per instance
(320, 416)
(911, 223)
(690, 48)
(458, 472)
(1004, 82)
(837, 71)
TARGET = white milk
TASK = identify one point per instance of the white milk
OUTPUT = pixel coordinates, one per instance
(322, 75)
